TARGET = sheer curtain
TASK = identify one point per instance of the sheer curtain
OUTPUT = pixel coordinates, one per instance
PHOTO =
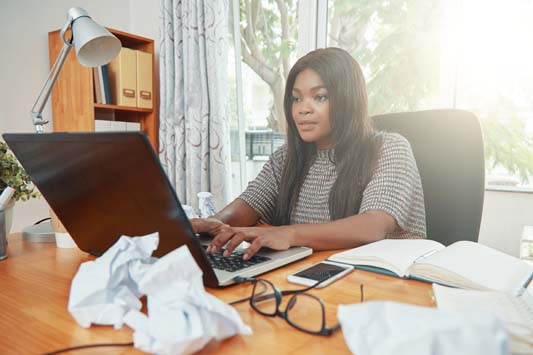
(194, 122)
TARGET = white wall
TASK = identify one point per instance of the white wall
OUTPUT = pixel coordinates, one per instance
(144, 19)
(24, 65)
(504, 215)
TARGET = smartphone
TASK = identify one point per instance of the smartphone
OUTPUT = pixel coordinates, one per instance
(328, 270)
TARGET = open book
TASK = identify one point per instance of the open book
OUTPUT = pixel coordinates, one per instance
(515, 310)
(462, 264)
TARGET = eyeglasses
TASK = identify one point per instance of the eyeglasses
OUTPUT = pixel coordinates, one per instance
(304, 311)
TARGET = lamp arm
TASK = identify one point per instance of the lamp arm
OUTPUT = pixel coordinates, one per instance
(44, 95)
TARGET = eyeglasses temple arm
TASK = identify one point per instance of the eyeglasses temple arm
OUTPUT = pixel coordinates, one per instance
(290, 292)
(240, 279)
(239, 301)
(334, 328)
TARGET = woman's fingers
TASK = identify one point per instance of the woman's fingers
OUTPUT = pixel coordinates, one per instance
(270, 241)
(235, 241)
(253, 248)
(226, 233)
(207, 225)
(232, 237)
(220, 239)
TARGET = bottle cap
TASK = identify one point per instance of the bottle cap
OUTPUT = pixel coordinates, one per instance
(204, 194)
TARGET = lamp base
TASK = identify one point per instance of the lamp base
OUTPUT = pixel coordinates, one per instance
(39, 233)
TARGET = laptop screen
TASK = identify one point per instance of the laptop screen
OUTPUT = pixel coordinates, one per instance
(104, 185)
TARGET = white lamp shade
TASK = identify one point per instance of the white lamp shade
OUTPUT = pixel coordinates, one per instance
(94, 44)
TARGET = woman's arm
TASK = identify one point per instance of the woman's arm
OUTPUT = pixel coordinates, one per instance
(237, 213)
(344, 233)
(257, 201)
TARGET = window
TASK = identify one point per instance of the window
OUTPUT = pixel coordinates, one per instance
(495, 81)
(394, 42)
(415, 54)
(268, 36)
(471, 54)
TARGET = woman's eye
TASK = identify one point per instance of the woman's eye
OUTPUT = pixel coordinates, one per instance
(321, 98)
(295, 99)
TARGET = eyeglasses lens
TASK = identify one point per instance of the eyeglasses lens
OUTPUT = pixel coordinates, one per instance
(263, 298)
(305, 311)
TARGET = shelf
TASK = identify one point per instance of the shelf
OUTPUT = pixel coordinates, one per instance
(130, 40)
(122, 108)
(73, 106)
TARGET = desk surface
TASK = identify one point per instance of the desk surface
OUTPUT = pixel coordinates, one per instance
(35, 283)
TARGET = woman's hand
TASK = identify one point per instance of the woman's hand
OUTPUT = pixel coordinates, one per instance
(277, 238)
(211, 225)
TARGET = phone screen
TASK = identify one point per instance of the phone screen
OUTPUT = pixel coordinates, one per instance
(320, 272)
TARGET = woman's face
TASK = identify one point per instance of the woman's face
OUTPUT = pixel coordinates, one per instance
(310, 109)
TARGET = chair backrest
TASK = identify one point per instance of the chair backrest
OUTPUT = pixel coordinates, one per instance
(448, 148)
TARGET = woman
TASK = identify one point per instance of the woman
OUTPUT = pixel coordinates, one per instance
(337, 183)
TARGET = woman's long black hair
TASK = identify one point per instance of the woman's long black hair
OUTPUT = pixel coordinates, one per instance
(355, 141)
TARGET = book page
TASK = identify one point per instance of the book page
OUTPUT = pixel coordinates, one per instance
(472, 265)
(515, 311)
(392, 254)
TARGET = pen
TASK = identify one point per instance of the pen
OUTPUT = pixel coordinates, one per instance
(425, 255)
(524, 287)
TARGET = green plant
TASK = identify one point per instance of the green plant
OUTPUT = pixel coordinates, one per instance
(508, 144)
(12, 174)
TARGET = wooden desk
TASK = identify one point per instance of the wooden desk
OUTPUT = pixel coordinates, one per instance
(35, 283)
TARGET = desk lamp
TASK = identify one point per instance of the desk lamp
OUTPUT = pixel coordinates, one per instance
(95, 46)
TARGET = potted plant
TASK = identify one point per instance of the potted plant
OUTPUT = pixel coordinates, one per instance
(12, 174)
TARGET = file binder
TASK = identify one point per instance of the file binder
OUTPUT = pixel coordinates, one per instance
(144, 79)
(123, 78)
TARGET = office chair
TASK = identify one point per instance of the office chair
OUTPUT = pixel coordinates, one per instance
(448, 148)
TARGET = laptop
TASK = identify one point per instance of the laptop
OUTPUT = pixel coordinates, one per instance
(108, 184)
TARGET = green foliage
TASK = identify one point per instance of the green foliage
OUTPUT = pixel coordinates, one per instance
(401, 63)
(285, 49)
(507, 144)
(12, 174)
(399, 57)
(268, 38)
(265, 22)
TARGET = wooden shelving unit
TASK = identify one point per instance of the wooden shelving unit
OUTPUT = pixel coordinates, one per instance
(73, 105)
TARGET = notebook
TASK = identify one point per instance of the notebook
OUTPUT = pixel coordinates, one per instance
(107, 184)
(515, 310)
(463, 264)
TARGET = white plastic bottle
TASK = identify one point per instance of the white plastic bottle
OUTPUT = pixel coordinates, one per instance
(526, 244)
(206, 204)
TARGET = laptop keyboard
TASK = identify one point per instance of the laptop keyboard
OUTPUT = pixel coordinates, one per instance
(234, 262)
